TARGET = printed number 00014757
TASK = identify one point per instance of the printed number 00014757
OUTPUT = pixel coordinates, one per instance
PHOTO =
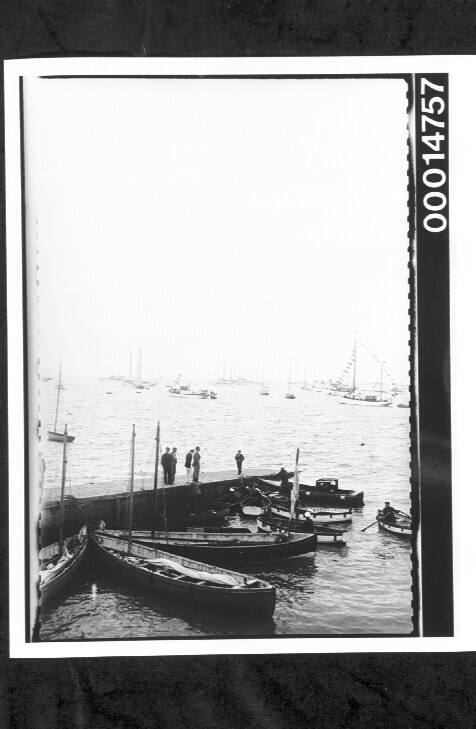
(434, 200)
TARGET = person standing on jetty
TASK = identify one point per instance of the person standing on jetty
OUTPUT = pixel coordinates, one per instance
(173, 465)
(239, 458)
(166, 463)
(196, 464)
(188, 464)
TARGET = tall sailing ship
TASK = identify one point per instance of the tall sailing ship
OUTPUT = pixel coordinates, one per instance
(353, 395)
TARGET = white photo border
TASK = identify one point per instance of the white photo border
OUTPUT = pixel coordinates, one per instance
(14, 71)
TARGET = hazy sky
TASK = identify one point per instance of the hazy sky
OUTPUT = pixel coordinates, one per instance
(257, 222)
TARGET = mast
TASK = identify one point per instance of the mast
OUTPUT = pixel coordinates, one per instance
(164, 509)
(295, 490)
(355, 364)
(156, 471)
(131, 490)
(58, 398)
(139, 368)
(63, 482)
(381, 380)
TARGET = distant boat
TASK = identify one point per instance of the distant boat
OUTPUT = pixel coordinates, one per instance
(213, 395)
(290, 394)
(60, 561)
(357, 397)
(53, 434)
(139, 384)
(264, 388)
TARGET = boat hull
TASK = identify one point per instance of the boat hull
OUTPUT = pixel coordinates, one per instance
(259, 600)
(368, 403)
(50, 588)
(245, 553)
(319, 496)
(400, 529)
(282, 526)
(59, 437)
(318, 517)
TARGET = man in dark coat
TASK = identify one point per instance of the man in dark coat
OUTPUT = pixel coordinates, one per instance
(188, 464)
(173, 465)
(196, 464)
(239, 458)
(389, 513)
(285, 486)
(166, 463)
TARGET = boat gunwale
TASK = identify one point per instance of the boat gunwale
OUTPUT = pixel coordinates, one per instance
(262, 587)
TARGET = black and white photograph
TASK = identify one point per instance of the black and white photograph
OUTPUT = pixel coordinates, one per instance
(221, 352)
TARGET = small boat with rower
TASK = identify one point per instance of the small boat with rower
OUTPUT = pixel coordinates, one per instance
(276, 524)
(401, 524)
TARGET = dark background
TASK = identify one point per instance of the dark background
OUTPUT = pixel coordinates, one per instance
(371, 690)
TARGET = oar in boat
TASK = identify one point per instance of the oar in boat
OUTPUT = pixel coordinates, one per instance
(368, 527)
(403, 514)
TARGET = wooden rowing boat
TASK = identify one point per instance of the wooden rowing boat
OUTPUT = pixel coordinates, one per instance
(222, 548)
(59, 564)
(276, 524)
(402, 526)
(192, 582)
(61, 560)
(282, 507)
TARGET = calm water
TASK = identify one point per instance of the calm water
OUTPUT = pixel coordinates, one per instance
(364, 587)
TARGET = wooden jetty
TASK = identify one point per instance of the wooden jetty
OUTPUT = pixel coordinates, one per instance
(108, 500)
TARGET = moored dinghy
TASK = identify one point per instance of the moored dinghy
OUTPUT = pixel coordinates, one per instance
(276, 524)
(222, 548)
(194, 582)
(281, 507)
(59, 564)
(61, 560)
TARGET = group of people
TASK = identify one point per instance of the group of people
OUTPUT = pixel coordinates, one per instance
(192, 464)
(169, 465)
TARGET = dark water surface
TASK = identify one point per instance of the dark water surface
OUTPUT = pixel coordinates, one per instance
(362, 588)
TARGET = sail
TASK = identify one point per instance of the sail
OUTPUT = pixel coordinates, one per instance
(295, 490)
